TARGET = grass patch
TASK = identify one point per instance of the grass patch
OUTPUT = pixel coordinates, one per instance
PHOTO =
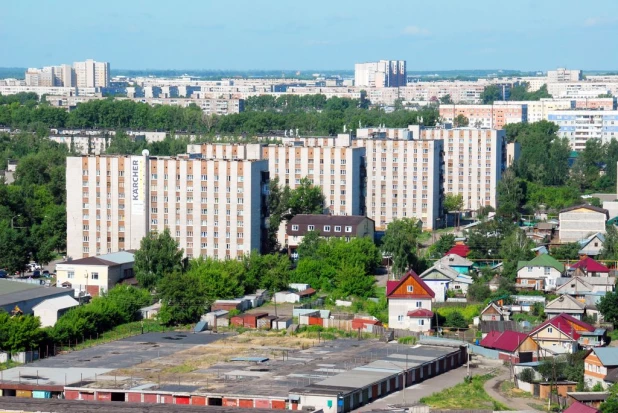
(180, 369)
(8, 365)
(407, 340)
(509, 390)
(467, 395)
(613, 334)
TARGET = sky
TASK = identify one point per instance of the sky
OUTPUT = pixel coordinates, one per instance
(317, 34)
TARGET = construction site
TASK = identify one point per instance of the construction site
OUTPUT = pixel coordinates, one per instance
(255, 369)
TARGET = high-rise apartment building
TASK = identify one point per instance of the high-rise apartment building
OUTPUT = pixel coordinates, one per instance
(330, 163)
(474, 160)
(581, 125)
(212, 207)
(91, 74)
(494, 116)
(564, 75)
(385, 73)
(51, 76)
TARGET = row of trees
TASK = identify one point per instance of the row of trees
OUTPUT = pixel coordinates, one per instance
(119, 306)
(32, 209)
(492, 93)
(310, 115)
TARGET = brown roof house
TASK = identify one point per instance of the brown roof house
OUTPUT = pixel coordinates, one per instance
(340, 226)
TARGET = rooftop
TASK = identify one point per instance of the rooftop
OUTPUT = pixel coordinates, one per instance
(14, 291)
(607, 355)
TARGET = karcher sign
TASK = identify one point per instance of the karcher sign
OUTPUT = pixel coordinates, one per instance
(137, 185)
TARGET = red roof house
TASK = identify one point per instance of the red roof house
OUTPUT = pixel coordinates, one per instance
(561, 333)
(409, 303)
(512, 345)
(461, 250)
(578, 407)
(591, 267)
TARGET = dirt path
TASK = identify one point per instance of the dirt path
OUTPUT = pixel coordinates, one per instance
(492, 387)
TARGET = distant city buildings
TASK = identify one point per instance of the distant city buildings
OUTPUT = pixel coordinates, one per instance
(88, 74)
(564, 75)
(384, 73)
(579, 126)
(494, 116)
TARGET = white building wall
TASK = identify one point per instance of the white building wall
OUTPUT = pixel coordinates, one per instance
(398, 310)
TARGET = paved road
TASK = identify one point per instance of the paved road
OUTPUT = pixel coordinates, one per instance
(414, 393)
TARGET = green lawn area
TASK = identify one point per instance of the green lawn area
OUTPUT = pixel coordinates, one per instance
(613, 334)
(466, 395)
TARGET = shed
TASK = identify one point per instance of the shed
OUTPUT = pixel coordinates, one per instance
(216, 319)
(282, 323)
(50, 310)
(151, 311)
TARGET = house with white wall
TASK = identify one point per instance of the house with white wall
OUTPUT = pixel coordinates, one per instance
(540, 273)
(409, 303)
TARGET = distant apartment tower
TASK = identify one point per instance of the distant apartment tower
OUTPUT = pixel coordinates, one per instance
(384, 73)
(581, 125)
(330, 163)
(212, 207)
(494, 116)
(91, 74)
(564, 75)
(50, 76)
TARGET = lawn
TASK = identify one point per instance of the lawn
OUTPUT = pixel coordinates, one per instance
(465, 395)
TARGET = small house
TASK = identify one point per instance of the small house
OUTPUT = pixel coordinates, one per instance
(562, 333)
(494, 313)
(405, 298)
(50, 310)
(592, 246)
(579, 407)
(590, 268)
(565, 304)
(540, 273)
(601, 366)
(512, 346)
(588, 398)
(580, 287)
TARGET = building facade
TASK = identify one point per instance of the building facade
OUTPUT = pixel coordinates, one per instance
(212, 207)
(385, 73)
(91, 74)
(494, 116)
(581, 125)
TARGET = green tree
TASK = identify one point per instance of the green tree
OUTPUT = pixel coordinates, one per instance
(455, 319)
(305, 199)
(400, 241)
(608, 306)
(610, 246)
(490, 94)
(446, 100)
(309, 247)
(129, 300)
(454, 203)
(510, 195)
(568, 251)
(157, 256)
(441, 246)
(353, 281)
(278, 200)
(479, 291)
(461, 121)
(514, 248)
(183, 298)
(13, 247)
(23, 333)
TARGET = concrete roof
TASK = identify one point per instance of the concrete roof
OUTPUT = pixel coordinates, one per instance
(120, 257)
(15, 291)
(57, 303)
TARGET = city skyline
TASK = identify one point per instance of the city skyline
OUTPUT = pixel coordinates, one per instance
(442, 35)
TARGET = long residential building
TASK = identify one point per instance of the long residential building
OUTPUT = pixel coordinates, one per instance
(212, 207)
(581, 125)
(384, 73)
(494, 116)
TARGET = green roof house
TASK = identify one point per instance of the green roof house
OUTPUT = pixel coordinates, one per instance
(540, 273)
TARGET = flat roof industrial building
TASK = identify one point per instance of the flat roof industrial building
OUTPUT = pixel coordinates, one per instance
(26, 295)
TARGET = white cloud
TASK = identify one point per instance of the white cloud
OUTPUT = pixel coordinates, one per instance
(415, 31)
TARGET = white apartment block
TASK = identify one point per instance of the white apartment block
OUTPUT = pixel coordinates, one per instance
(330, 163)
(212, 207)
(474, 161)
(404, 180)
(91, 73)
(564, 75)
(581, 125)
(539, 110)
(384, 73)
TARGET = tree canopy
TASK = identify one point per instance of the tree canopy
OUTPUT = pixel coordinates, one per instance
(400, 241)
(157, 256)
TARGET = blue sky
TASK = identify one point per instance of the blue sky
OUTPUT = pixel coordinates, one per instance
(317, 34)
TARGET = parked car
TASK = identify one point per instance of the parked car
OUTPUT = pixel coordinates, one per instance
(46, 273)
(36, 273)
(3, 274)
(33, 266)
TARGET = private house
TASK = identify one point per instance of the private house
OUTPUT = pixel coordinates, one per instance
(540, 273)
(409, 303)
(590, 268)
(544, 229)
(339, 226)
(601, 366)
(461, 250)
(563, 334)
(588, 398)
(95, 275)
(494, 312)
(592, 246)
(512, 346)
(577, 222)
(579, 407)
(580, 287)
(494, 283)
(448, 273)
(565, 304)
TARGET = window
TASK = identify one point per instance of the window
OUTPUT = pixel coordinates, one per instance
(421, 322)
(400, 318)
(94, 275)
(70, 274)
(337, 228)
(547, 270)
(310, 227)
(294, 227)
(410, 288)
(419, 304)
(529, 269)
(326, 228)
(550, 330)
(348, 229)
